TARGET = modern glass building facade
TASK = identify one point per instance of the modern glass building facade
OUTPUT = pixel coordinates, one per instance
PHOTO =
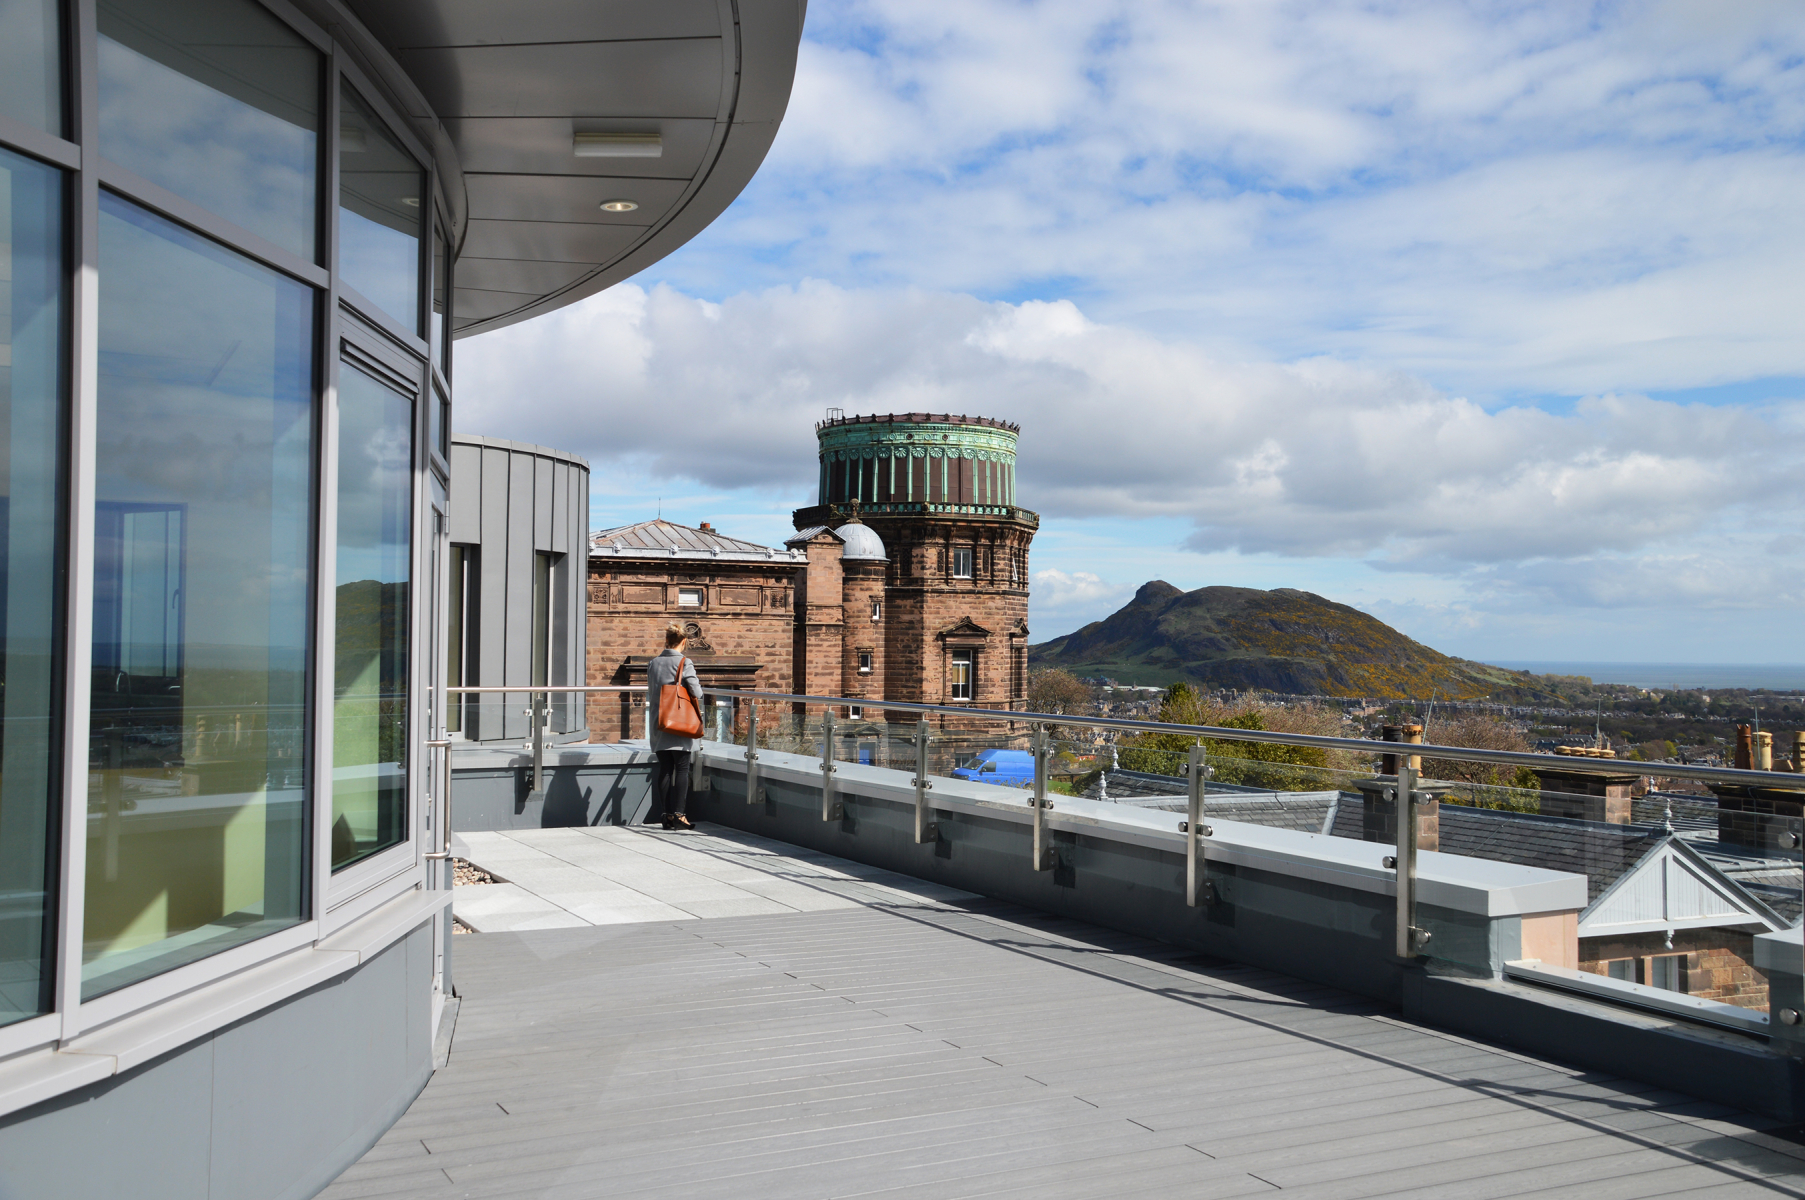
(229, 231)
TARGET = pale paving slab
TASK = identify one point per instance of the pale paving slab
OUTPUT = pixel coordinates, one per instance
(610, 875)
(941, 1052)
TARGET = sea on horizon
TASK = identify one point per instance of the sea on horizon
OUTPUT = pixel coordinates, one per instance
(1776, 677)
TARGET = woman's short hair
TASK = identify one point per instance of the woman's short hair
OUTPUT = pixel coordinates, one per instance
(674, 635)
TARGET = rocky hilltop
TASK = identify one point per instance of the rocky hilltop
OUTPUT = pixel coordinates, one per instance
(1280, 641)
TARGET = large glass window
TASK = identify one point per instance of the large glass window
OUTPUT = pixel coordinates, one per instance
(375, 570)
(32, 384)
(197, 784)
(380, 186)
(219, 102)
(31, 63)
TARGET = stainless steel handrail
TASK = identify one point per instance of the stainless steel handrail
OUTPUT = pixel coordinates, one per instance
(1589, 766)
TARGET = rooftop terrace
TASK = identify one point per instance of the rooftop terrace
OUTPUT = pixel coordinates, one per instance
(853, 1032)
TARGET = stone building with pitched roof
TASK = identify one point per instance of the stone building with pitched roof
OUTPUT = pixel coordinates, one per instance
(907, 580)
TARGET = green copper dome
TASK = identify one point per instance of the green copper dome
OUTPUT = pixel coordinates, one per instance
(917, 458)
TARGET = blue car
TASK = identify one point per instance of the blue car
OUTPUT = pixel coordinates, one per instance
(1006, 768)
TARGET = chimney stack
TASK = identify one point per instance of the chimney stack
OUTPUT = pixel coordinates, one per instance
(1745, 748)
(1408, 734)
(1764, 751)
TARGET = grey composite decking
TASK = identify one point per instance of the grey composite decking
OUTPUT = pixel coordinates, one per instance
(920, 1048)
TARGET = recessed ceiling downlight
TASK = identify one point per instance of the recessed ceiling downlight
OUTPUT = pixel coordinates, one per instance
(619, 205)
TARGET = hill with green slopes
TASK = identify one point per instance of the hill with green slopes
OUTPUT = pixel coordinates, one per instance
(1283, 640)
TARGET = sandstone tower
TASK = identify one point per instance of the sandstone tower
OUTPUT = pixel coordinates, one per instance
(934, 608)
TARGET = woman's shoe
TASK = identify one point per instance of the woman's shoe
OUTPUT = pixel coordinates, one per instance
(680, 821)
(670, 822)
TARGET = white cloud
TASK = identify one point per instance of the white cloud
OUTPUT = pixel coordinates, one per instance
(1496, 197)
(1314, 459)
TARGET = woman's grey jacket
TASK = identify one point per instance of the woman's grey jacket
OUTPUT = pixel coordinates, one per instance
(660, 671)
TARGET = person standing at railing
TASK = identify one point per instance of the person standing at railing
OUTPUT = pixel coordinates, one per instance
(670, 777)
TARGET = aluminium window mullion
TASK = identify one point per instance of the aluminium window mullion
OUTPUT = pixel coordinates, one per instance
(325, 570)
(83, 247)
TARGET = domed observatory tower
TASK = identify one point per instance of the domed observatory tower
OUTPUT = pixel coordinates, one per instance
(938, 493)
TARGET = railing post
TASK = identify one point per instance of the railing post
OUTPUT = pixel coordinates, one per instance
(696, 777)
(925, 830)
(537, 714)
(752, 754)
(1043, 853)
(831, 808)
(1410, 937)
(1199, 891)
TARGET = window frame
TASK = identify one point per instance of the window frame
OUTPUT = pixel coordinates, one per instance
(966, 658)
(700, 594)
(343, 318)
(966, 555)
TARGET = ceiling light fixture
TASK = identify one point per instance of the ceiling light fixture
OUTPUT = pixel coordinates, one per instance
(619, 205)
(617, 145)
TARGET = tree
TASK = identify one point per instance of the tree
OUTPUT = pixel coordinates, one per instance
(1058, 692)
(1261, 764)
(1480, 731)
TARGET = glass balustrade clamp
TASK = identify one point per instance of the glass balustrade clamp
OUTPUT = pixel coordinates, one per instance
(1199, 891)
(1043, 853)
(1411, 938)
(752, 789)
(925, 829)
(831, 808)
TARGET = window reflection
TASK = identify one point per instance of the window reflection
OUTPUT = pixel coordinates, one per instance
(31, 57)
(440, 333)
(219, 102)
(32, 384)
(197, 786)
(380, 186)
(375, 568)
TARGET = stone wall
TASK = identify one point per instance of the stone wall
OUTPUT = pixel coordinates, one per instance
(1716, 964)
(743, 638)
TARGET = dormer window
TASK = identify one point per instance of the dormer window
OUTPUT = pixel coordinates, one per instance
(961, 564)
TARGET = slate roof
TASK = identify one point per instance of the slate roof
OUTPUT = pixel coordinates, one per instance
(1601, 852)
(661, 539)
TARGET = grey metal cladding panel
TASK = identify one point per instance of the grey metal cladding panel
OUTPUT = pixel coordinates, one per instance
(576, 198)
(543, 145)
(676, 78)
(544, 474)
(470, 303)
(770, 36)
(154, 1122)
(493, 611)
(519, 275)
(411, 23)
(740, 157)
(286, 1086)
(521, 473)
(466, 493)
(548, 241)
(560, 530)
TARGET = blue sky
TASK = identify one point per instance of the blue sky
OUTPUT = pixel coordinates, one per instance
(1484, 318)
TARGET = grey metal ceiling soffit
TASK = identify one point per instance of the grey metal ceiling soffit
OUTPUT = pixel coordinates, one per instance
(556, 107)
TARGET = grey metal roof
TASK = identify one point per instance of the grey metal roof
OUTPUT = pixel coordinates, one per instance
(471, 439)
(803, 535)
(701, 83)
(661, 539)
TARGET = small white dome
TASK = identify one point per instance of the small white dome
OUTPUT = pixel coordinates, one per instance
(862, 543)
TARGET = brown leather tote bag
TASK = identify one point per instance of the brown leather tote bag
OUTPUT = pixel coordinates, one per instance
(676, 710)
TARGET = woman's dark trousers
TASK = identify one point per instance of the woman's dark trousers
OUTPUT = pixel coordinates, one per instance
(670, 781)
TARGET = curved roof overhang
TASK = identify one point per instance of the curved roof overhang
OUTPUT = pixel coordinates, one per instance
(513, 87)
